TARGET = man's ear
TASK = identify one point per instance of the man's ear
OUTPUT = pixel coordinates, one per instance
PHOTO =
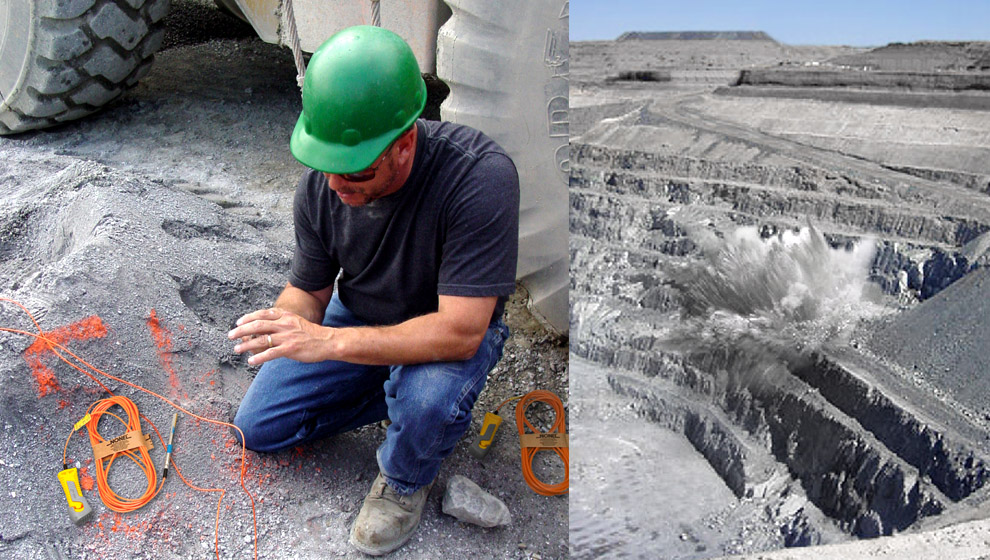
(406, 144)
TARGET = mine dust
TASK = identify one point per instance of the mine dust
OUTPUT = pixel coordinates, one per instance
(792, 287)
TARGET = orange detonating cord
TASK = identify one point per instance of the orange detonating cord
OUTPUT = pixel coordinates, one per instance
(91, 424)
(507, 401)
(528, 453)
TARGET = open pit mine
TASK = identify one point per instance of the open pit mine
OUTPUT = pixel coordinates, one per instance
(780, 297)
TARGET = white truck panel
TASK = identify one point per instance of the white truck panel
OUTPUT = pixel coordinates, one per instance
(416, 21)
(262, 15)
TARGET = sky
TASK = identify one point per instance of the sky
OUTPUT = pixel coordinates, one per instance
(794, 22)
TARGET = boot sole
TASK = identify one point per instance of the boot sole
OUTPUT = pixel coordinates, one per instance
(381, 550)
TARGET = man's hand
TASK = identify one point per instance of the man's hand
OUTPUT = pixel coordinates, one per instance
(277, 333)
(452, 333)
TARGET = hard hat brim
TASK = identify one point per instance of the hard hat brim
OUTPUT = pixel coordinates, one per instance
(331, 157)
(334, 158)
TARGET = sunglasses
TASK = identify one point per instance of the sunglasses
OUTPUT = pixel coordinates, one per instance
(369, 173)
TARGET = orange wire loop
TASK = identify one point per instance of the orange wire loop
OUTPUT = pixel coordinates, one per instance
(528, 453)
(139, 456)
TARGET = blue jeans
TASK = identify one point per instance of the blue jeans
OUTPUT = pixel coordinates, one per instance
(291, 402)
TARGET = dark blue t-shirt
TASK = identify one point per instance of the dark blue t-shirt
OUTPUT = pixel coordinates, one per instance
(452, 229)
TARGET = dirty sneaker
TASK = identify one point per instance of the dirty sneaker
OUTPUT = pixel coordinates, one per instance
(387, 520)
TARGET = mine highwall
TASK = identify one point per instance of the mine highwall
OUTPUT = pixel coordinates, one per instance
(622, 197)
(929, 81)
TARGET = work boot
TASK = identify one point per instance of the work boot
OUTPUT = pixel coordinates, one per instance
(387, 520)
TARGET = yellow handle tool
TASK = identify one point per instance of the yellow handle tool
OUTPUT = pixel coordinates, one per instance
(481, 444)
(79, 510)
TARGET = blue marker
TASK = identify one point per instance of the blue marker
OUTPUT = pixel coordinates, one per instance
(168, 450)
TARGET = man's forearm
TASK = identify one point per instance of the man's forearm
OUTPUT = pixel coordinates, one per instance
(307, 305)
(452, 333)
(428, 338)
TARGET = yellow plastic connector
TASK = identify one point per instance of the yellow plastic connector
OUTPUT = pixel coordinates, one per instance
(481, 444)
(79, 510)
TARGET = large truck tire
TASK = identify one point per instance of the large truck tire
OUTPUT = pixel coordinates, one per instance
(64, 59)
(507, 67)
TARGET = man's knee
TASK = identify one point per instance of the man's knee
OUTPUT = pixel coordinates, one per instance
(436, 397)
(257, 432)
(254, 418)
(430, 410)
(247, 430)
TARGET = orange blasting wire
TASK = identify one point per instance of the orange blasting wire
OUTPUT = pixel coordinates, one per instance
(222, 491)
(176, 466)
(507, 401)
(53, 345)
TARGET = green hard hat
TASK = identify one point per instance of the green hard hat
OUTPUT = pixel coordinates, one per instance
(362, 89)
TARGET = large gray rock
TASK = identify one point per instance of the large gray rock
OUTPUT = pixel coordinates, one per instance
(466, 501)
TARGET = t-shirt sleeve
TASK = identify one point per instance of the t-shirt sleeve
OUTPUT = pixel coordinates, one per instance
(313, 267)
(481, 241)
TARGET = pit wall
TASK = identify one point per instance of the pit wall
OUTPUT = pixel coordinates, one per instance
(846, 473)
(800, 77)
(594, 60)
(622, 197)
(923, 99)
(865, 461)
(950, 464)
(974, 181)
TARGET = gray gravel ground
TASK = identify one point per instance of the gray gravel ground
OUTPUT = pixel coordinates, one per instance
(174, 204)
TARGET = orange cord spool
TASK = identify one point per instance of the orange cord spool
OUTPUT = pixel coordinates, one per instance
(138, 455)
(528, 453)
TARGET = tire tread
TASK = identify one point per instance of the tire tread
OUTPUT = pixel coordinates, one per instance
(85, 55)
